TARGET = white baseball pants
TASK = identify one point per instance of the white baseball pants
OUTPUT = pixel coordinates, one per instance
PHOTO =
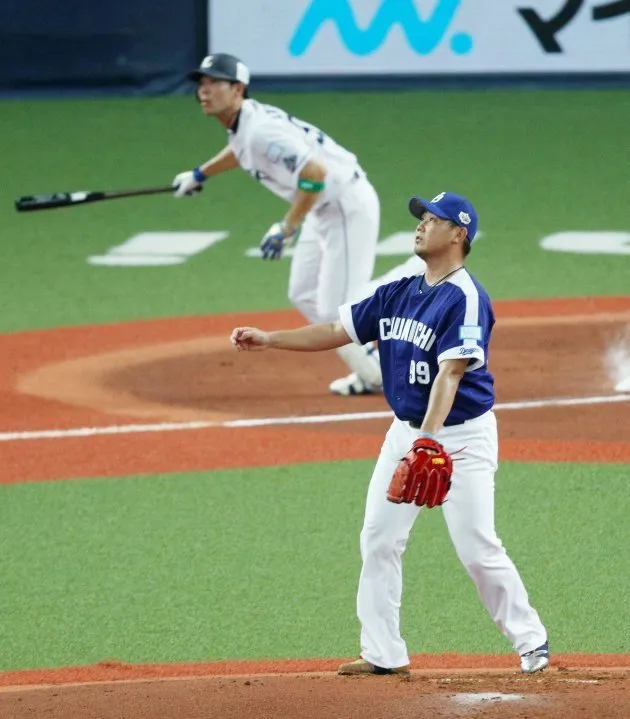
(333, 261)
(469, 516)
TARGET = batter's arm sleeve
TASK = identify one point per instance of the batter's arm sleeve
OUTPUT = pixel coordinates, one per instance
(284, 153)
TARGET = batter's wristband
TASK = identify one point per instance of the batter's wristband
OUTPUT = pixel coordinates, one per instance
(198, 175)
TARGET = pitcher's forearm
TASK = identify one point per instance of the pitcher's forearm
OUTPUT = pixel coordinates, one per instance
(440, 402)
(311, 338)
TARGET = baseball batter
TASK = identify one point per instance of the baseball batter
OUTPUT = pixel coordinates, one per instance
(433, 333)
(330, 199)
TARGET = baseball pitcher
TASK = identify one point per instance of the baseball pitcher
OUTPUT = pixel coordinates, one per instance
(331, 202)
(433, 332)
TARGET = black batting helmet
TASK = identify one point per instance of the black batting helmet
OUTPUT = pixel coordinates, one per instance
(222, 66)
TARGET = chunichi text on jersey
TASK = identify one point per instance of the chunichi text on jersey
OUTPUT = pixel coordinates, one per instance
(407, 330)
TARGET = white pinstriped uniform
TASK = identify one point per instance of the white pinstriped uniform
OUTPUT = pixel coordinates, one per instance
(334, 256)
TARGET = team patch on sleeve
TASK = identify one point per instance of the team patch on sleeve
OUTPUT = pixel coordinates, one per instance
(470, 332)
(274, 152)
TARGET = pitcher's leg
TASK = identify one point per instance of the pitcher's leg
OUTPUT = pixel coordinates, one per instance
(384, 537)
(469, 515)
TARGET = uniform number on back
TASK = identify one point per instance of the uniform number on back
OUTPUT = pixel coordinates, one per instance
(306, 127)
(419, 373)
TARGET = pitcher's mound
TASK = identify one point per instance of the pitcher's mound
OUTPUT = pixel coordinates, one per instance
(555, 694)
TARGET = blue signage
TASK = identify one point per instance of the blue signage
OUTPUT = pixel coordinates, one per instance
(423, 35)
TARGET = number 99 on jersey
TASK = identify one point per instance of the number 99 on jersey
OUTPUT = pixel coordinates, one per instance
(419, 373)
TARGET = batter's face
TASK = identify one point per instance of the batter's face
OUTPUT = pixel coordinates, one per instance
(435, 236)
(218, 97)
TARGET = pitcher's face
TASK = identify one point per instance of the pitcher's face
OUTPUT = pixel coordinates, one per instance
(435, 236)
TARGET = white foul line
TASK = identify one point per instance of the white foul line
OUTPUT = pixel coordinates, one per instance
(275, 421)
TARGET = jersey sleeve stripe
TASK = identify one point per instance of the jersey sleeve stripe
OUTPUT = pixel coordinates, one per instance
(467, 286)
(469, 347)
(475, 354)
(345, 316)
(471, 312)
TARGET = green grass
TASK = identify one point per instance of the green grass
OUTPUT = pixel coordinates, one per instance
(259, 564)
(265, 563)
(533, 162)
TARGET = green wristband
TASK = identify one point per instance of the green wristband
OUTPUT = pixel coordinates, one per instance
(310, 185)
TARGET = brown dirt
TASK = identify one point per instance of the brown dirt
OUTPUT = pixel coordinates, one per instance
(183, 370)
(561, 694)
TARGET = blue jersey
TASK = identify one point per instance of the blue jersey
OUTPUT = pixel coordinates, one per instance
(418, 328)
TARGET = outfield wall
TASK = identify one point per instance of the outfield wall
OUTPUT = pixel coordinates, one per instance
(144, 47)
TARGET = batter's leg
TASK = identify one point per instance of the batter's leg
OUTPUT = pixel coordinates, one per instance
(469, 515)
(305, 270)
(412, 266)
(350, 230)
(386, 528)
(366, 375)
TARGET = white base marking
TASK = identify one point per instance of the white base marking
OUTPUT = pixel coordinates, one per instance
(482, 697)
(394, 245)
(600, 243)
(275, 421)
(617, 361)
(156, 249)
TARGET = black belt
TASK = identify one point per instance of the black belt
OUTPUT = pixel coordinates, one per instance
(418, 425)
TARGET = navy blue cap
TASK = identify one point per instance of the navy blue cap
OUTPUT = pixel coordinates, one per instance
(448, 206)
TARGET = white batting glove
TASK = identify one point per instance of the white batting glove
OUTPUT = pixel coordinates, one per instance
(188, 183)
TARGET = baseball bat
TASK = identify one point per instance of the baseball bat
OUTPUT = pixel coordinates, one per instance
(30, 203)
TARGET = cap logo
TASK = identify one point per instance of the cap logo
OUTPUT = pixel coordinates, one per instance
(207, 61)
(437, 198)
(464, 218)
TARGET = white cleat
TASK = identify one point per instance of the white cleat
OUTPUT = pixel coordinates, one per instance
(535, 661)
(351, 385)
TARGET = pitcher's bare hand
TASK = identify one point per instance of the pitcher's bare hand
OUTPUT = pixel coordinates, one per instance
(249, 338)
